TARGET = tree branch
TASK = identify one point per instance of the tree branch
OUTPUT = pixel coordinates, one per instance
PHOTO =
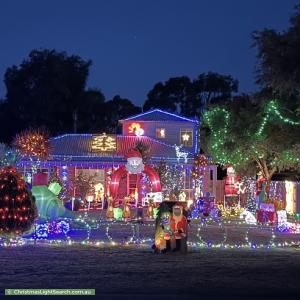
(266, 169)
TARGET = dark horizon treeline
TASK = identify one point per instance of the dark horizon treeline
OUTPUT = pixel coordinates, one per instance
(48, 90)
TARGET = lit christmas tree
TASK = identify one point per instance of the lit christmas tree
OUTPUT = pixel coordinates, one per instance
(17, 205)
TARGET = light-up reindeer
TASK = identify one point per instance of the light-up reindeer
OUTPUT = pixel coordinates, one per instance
(181, 154)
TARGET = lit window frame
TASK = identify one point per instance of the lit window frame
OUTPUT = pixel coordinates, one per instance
(190, 132)
(158, 135)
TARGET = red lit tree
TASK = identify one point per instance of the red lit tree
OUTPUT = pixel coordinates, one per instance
(17, 205)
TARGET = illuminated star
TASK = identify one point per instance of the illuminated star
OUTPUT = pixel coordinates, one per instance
(185, 137)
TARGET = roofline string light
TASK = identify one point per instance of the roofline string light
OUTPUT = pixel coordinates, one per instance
(161, 111)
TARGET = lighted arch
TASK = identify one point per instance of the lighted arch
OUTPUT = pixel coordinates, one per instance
(117, 175)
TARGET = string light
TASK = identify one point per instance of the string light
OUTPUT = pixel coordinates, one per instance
(272, 109)
(104, 143)
(8, 156)
(84, 224)
(219, 134)
(17, 206)
(33, 143)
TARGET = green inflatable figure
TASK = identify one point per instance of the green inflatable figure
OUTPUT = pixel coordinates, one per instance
(49, 206)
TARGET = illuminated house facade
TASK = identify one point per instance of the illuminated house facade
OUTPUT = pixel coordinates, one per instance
(101, 154)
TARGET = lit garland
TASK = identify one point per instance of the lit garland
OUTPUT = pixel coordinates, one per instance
(246, 243)
(209, 243)
(218, 135)
(216, 115)
(272, 109)
(87, 225)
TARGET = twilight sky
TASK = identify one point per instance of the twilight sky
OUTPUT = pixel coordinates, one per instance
(135, 43)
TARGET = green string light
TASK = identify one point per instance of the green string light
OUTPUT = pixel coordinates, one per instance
(218, 136)
(272, 109)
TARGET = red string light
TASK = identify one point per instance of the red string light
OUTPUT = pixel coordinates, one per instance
(17, 205)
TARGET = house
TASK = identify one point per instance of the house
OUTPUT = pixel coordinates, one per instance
(170, 138)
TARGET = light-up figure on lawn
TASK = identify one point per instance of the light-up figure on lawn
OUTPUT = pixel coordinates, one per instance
(179, 226)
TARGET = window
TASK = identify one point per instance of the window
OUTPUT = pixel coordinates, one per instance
(186, 137)
(160, 133)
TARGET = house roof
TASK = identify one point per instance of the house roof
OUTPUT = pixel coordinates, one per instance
(159, 115)
(79, 147)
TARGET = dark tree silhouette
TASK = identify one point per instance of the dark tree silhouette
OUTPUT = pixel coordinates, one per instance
(92, 112)
(191, 97)
(117, 109)
(48, 89)
(169, 95)
(278, 53)
(278, 67)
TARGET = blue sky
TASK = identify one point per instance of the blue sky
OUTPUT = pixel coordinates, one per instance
(134, 44)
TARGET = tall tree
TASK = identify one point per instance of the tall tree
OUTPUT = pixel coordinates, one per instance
(206, 89)
(92, 112)
(278, 67)
(191, 97)
(253, 137)
(168, 95)
(48, 89)
(117, 109)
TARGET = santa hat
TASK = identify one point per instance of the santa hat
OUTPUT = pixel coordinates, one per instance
(133, 153)
(226, 166)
